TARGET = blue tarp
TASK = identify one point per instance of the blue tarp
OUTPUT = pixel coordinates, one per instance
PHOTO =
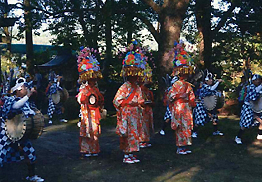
(58, 60)
(63, 55)
(21, 48)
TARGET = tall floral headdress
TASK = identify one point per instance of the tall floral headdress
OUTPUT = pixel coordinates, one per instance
(147, 74)
(88, 66)
(182, 62)
(133, 63)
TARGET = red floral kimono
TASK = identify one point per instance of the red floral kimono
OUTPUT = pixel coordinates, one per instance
(182, 97)
(147, 124)
(90, 120)
(127, 102)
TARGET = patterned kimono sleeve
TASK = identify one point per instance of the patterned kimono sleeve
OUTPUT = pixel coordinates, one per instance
(121, 128)
(191, 96)
(253, 94)
(120, 96)
(173, 93)
(140, 98)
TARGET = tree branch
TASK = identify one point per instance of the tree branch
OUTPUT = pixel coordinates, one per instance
(50, 13)
(224, 18)
(153, 5)
(150, 26)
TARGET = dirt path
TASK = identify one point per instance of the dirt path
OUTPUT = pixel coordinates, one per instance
(213, 159)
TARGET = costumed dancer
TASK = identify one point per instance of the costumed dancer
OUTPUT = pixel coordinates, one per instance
(241, 90)
(16, 151)
(147, 122)
(91, 101)
(182, 99)
(52, 88)
(127, 102)
(167, 116)
(248, 117)
(200, 113)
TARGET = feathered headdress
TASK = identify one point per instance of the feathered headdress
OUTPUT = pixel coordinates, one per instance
(88, 66)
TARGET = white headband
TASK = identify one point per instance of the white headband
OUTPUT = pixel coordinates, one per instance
(255, 76)
(17, 86)
(209, 76)
(19, 83)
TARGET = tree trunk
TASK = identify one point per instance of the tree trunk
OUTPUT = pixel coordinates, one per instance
(108, 36)
(171, 19)
(7, 38)
(203, 17)
(170, 32)
(28, 36)
(130, 21)
(171, 15)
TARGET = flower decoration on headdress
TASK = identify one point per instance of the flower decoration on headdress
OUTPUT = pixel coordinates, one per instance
(88, 66)
(133, 43)
(147, 74)
(133, 64)
(182, 62)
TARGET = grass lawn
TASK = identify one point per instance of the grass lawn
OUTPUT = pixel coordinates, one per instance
(214, 158)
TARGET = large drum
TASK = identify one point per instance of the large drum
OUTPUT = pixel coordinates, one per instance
(20, 126)
(64, 95)
(256, 105)
(214, 102)
(92, 99)
(60, 96)
(56, 97)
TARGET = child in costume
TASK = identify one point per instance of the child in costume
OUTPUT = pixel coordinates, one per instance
(127, 102)
(91, 101)
(147, 123)
(182, 99)
(200, 113)
(248, 117)
(16, 151)
(167, 116)
(52, 88)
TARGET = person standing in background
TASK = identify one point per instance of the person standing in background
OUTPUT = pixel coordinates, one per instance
(91, 101)
(127, 102)
(182, 99)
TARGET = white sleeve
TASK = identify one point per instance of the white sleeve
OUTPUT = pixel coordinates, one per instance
(258, 88)
(214, 86)
(20, 103)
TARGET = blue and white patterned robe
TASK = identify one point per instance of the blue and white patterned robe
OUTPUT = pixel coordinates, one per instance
(200, 114)
(52, 107)
(22, 149)
(168, 114)
(247, 114)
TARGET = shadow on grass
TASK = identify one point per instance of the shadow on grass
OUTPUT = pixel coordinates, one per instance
(214, 158)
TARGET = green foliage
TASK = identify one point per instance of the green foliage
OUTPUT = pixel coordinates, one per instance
(83, 22)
